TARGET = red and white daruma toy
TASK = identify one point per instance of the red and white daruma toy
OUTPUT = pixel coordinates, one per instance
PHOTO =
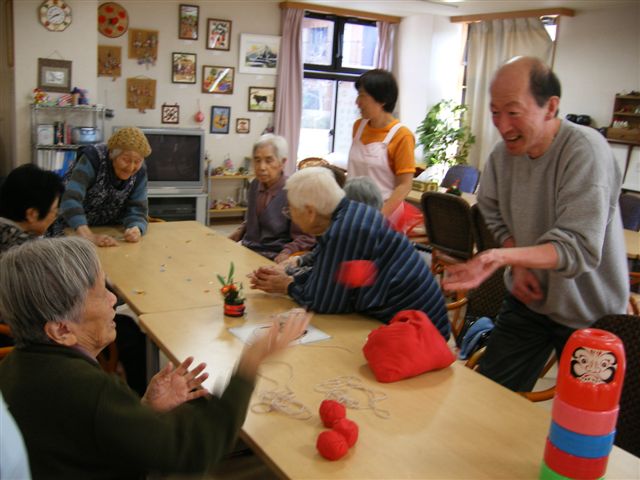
(591, 370)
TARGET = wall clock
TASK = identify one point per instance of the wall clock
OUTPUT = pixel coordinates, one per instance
(113, 20)
(55, 15)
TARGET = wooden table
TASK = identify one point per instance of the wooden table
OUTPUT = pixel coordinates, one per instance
(632, 242)
(174, 266)
(448, 424)
(415, 197)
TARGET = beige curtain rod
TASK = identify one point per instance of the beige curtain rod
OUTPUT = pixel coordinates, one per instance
(567, 12)
(343, 12)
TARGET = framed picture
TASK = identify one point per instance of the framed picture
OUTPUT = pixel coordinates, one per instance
(54, 75)
(217, 79)
(262, 99)
(188, 22)
(218, 34)
(143, 46)
(220, 119)
(183, 67)
(243, 125)
(170, 113)
(109, 61)
(259, 54)
(141, 93)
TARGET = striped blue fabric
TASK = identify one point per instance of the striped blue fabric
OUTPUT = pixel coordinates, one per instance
(403, 282)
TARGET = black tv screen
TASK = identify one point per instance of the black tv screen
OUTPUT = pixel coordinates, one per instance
(177, 158)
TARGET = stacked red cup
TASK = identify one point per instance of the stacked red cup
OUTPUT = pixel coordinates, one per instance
(585, 408)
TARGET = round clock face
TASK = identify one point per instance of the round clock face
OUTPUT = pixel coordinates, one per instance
(113, 20)
(55, 15)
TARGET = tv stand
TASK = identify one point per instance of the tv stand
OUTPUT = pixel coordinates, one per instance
(173, 205)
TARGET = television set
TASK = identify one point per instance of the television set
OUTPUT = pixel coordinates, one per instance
(176, 162)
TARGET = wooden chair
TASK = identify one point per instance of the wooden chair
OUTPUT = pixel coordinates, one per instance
(483, 237)
(467, 175)
(448, 223)
(312, 162)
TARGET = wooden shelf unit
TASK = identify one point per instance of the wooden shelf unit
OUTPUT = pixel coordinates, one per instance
(238, 211)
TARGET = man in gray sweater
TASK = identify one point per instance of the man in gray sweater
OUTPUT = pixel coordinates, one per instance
(549, 194)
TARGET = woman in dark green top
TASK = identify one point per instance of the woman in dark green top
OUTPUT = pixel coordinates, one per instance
(79, 422)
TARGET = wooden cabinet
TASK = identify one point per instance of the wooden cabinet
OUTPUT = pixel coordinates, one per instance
(625, 122)
(224, 187)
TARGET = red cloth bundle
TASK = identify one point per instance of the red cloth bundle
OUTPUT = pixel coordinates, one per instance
(408, 346)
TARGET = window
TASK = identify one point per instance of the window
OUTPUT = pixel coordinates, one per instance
(336, 51)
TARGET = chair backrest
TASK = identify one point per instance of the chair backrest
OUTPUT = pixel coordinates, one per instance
(483, 237)
(312, 162)
(466, 174)
(487, 298)
(627, 327)
(630, 211)
(448, 223)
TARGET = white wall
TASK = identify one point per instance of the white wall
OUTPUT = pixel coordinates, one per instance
(32, 41)
(429, 57)
(257, 17)
(598, 55)
(79, 43)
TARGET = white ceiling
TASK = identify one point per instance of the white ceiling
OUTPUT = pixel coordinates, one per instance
(404, 8)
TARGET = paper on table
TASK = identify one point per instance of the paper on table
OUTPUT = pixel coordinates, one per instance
(248, 333)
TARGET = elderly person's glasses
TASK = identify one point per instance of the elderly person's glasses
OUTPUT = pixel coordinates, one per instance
(286, 211)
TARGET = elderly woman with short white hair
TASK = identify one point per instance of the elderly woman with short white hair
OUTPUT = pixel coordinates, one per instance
(79, 422)
(265, 229)
(348, 231)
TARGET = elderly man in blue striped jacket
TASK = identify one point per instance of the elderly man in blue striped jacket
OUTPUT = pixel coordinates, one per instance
(349, 231)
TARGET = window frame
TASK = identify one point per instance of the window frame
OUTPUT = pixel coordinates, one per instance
(335, 71)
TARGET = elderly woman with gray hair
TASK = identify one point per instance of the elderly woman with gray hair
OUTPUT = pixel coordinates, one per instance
(76, 420)
(266, 229)
(348, 231)
(107, 185)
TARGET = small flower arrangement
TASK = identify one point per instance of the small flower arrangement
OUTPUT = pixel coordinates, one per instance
(232, 293)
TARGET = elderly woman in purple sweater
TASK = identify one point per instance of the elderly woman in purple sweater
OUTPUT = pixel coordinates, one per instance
(267, 228)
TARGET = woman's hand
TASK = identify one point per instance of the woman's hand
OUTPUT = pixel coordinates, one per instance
(270, 279)
(170, 388)
(276, 338)
(98, 240)
(132, 234)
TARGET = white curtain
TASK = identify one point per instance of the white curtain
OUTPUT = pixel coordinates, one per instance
(289, 85)
(384, 48)
(490, 44)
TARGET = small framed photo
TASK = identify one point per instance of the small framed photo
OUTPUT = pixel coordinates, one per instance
(188, 22)
(54, 75)
(217, 79)
(243, 125)
(218, 34)
(170, 114)
(220, 119)
(183, 67)
(262, 99)
(259, 54)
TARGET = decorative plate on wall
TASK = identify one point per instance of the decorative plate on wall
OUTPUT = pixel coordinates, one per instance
(55, 15)
(113, 20)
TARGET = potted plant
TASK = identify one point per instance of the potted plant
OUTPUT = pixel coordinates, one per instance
(232, 293)
(445, 136)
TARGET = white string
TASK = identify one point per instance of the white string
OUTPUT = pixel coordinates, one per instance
(338, 389)
(281, 399)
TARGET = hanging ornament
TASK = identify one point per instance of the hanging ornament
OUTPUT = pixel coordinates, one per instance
(199, 116)
(113, 20)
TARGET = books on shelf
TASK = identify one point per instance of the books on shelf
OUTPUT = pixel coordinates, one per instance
(56, 160)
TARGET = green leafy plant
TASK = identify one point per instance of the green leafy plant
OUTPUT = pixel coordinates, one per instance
(231, 291)
(444, 135)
